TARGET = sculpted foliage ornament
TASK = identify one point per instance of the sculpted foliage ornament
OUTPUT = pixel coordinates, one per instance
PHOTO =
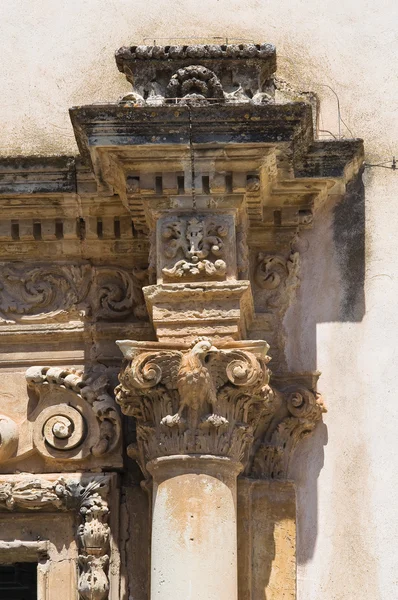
(277, 276)
(202, 244)
(32, 294)
(88, 499)
(303, 410)
(197, 399)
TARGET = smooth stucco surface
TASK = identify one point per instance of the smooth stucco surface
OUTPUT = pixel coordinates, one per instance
(55, 54)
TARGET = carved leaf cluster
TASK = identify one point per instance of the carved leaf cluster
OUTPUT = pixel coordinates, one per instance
(303, 409)
(278, 278)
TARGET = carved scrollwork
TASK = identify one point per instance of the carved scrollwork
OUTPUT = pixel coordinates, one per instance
(272, 271)
(84, 422)
(195, 82)
(198, 399)
(29, 293)
(48, 292)
(116, 293)
(304, 409)
(201, 243)
(88, 499)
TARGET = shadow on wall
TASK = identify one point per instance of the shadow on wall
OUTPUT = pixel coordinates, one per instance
(332, 290)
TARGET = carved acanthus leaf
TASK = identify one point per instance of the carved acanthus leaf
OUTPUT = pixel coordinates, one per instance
(194, 400)
(304, 409)
(84, 422)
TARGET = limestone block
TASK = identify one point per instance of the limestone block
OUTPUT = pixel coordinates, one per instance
(266, 540)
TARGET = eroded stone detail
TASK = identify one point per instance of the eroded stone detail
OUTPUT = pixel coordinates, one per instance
(231, 72)
(88, 499)
(29, 294)
(303, 410)
(278, 277)
(75, 417)
(201, 241)
(194, 82)
(194, 400)
(32, 294)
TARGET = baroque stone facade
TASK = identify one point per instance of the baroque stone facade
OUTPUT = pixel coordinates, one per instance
(144, 286)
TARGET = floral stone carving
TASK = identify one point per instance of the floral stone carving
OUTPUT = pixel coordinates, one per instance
(278, 277)
(201, 242)
(194, 399)
(88, 499)
(75, 417)
(57, 292)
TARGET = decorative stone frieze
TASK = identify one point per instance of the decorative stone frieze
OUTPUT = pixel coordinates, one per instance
(63, 291)
(87, 497)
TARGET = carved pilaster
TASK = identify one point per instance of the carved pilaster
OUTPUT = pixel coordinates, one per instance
(196, 399)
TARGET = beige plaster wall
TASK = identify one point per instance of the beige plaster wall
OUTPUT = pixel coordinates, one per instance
(58, 53)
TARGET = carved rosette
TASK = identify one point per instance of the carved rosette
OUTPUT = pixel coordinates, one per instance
(194, 400)
(89, 500)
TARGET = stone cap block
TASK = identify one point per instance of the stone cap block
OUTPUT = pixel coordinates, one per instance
(166, 71)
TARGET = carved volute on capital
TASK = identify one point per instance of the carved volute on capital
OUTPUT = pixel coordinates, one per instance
(196, 399)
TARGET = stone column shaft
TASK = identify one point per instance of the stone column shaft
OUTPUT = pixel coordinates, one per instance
(194, 531)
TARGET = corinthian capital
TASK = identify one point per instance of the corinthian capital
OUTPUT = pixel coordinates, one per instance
(196, 399)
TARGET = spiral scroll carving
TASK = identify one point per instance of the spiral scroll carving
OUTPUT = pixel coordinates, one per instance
(75, 417)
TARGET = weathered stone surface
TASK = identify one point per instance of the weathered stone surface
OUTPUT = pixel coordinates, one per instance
(213, 72)
(179, 226)
(266, 540)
